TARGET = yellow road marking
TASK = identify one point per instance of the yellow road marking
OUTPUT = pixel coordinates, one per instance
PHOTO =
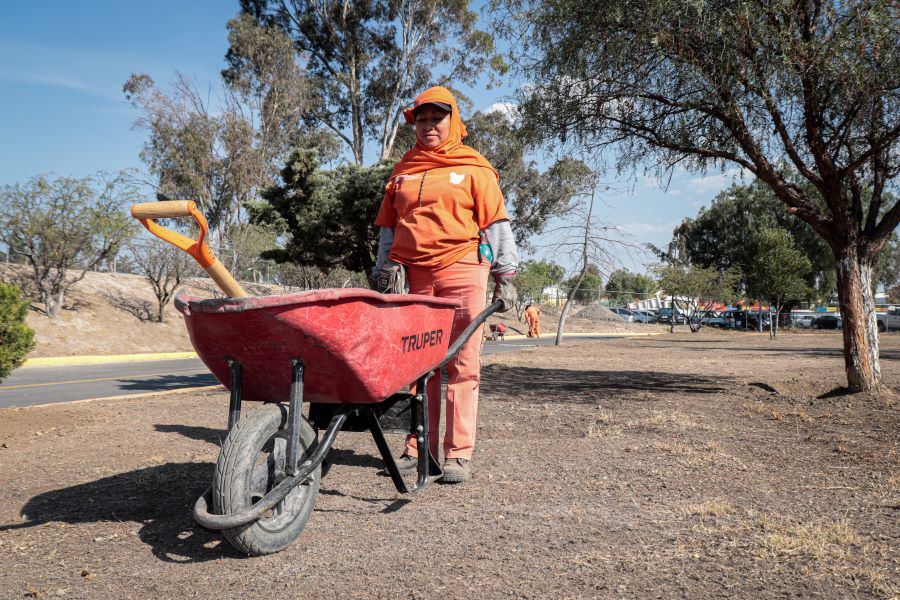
(32, 385)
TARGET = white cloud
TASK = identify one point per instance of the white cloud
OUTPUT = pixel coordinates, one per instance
(506, 109)
(716, 183)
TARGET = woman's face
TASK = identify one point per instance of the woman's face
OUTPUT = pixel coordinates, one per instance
(432, 125)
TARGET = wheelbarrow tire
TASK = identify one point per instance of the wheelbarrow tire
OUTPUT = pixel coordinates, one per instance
(250, 464)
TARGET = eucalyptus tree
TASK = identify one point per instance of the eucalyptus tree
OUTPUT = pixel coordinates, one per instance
(221, 150)
(774, 87)
(366, 59)
(533, 197)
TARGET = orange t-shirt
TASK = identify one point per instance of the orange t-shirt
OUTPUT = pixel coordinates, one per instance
(440, 226)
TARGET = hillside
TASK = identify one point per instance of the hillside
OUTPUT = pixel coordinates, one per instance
(101, 317)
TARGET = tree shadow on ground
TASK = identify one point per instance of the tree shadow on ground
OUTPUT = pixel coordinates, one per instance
(351, 458)
(164, 383)
(143, 310)
(159, 498)
(202, 434)
(562, 385)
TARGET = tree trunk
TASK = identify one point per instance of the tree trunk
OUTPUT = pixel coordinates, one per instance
(53, 302)
(47, 301)
(565, 311)
(161, 313)
(773, 325)
(672, 317)
(860, 325)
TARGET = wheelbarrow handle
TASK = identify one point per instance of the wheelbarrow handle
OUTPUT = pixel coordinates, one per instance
(147, 211)
(468, 331)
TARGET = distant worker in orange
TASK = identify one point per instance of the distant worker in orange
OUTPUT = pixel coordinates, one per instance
(444, 220)
(533, 319)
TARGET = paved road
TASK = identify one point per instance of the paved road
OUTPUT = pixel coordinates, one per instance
(47, 385)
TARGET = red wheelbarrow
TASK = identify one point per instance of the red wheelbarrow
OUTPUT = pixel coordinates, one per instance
(351, 354)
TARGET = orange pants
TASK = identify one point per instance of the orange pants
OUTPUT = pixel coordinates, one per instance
(465, 281)
(535, 329)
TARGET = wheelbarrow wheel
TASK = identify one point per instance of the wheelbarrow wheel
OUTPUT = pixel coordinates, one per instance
(251, 463)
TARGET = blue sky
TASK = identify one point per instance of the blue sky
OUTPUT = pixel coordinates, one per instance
(62, 66)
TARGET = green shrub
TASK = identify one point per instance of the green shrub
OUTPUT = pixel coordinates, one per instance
(16, 338)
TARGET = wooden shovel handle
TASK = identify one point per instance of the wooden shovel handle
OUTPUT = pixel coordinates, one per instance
(168, 209)
(225, 281)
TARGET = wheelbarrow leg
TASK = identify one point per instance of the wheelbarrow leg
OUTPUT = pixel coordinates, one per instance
(294, 416)
(428, 464)
(234, 408)
(384, 449)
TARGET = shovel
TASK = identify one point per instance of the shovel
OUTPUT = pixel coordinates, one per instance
(169, 209)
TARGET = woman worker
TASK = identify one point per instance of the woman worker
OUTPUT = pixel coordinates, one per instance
(533, 319)
(442, 201)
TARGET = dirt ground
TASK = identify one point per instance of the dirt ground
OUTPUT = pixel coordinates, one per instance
(710, 465)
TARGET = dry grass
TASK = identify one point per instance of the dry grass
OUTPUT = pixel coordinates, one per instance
(816, 539)
(837, 549)
(879, 583)
(894, 483)
(662, 420)
(709, 508)
(776, 413)
(703, 453)
(603, 425)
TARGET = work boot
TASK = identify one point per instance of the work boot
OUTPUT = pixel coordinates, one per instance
(456, 470)
(407, 464)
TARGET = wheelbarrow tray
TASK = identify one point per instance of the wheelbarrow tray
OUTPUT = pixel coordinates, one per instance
(358, 346)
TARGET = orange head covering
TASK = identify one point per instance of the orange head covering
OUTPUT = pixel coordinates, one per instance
(449, 154)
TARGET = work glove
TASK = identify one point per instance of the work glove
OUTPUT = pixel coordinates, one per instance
(504, 290)
(391, 278)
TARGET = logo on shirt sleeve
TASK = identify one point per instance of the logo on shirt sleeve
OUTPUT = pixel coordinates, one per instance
(457, 178)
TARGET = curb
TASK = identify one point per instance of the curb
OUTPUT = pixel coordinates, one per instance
(59, 361)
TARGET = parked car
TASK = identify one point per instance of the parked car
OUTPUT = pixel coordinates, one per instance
(650, 315)
(641, 317)
(889, 320)
(827, 322)
(713, 318)
(753, 320)
(665, 316)
(804, 321)
(735, 319)
(623, 312)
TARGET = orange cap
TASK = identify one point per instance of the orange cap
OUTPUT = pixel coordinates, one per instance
(442, 97)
